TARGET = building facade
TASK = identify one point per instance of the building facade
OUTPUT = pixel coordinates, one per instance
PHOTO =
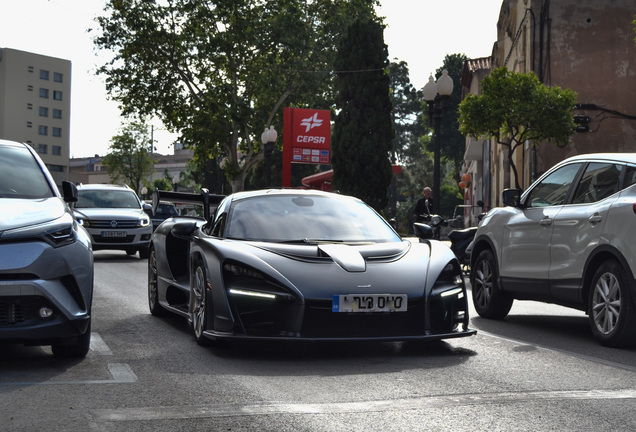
(35, 106)
(584, 45)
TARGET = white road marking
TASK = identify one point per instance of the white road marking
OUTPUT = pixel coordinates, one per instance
(121, 373)
(241, 410)
(98, 345)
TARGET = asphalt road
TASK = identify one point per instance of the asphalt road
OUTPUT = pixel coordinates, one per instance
(540, 369)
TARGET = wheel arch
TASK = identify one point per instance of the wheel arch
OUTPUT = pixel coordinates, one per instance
(594, 260)
(480, 244)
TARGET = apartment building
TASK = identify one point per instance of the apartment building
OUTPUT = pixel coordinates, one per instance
(35, 105)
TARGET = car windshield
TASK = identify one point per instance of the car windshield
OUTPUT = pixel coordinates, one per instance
(308, 219)
(104, 198)
(21, 176)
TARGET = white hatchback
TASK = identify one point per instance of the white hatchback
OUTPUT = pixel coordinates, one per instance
(569, 240)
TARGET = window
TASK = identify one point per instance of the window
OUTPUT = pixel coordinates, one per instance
(44, 74)
(29, 124)
(630, 176)
(42, 148)
(29, 106)
(55, 168)
(30, 88)
(554, 188)
(57, 77)
(57, 95)
(599, 181)
(57, 132)
(56, 150)
(57, 113)
(30, 69)
(44, 112)
(43, 130)
(44, 93)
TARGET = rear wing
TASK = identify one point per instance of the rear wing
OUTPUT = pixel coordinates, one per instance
(204, 199)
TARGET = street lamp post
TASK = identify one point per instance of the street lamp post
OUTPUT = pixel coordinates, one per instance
(268, 138)
(175, 182)
(436, 94)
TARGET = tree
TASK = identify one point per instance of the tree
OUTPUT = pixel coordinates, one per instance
(129, 157)
(218, 71)
(514, 108)
(453, 142)
(363, 129)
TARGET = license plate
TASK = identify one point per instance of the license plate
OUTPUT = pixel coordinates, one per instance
(369, 303)
(113, 233)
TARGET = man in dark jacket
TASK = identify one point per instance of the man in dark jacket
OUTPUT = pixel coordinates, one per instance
(424, 206)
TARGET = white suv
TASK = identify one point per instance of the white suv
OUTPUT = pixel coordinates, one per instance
(114, 217)
(570, 239)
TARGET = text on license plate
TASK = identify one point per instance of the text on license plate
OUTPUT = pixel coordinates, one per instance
(113, 233)
(369, 303)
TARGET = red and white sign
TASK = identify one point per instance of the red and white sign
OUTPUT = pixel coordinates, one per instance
(306, 138)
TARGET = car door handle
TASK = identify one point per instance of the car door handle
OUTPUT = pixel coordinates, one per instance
(545, 221)
(595, 218)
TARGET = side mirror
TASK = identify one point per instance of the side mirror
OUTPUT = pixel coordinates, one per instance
(422, 231)
(69, 191)
(184, 229)
(511, 197)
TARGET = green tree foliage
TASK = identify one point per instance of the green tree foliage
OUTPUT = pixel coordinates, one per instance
(363, 129)
(129, 158)
(514, 108)
(407, 115)
(218, 71)
(453, 143)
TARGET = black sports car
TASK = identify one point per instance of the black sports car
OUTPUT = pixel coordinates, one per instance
(301, 265)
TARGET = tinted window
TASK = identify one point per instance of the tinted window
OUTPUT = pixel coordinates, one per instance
(302, 218)
(21, 176)
(630, 176)
(554, 188)
(599, 181)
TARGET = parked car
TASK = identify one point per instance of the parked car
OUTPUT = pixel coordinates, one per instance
(114, 217)
(164, 211)
(46, 260)
(302, 265)
(569, 240)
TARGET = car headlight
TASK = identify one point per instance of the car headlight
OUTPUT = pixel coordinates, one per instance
(450, 281)
(84, 222)
(58, 232)
(243, 281)
(143, 222)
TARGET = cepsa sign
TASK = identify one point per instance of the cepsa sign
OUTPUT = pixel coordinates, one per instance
(306, 138)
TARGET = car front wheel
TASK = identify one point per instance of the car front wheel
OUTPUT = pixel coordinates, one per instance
(198, 303)
(611, 310)
(489, 300)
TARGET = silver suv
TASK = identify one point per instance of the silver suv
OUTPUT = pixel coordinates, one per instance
(114, 217)
(46, 260)
(569, 240)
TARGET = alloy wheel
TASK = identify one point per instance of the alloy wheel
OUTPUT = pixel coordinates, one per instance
(483, 283)
(197, 302)
(606, 303)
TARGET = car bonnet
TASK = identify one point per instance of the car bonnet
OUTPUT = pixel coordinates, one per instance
(17, 213)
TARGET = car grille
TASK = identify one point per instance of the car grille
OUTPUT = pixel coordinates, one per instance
(111, 240)
(108, 224)
(320, 321)
(15, 311)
